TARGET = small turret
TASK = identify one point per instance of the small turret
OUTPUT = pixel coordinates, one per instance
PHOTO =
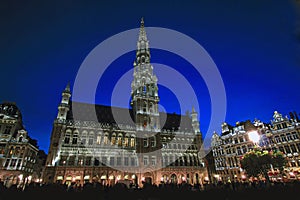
(22, 136)
(64, 106)
(216, 140)
(225, 128)
(195, 121)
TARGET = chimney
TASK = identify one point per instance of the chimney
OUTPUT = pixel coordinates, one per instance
(292, 116)
(296, 115)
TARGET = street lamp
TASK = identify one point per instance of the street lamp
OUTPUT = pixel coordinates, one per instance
(254, 137)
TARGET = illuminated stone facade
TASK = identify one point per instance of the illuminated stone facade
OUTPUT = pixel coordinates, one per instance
(18, 152)
(282, 134)
(147, 147)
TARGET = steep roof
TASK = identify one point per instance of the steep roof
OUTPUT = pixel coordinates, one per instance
(10, 110)
(116, 115)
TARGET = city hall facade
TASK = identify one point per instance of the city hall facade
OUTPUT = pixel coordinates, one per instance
(148, 147)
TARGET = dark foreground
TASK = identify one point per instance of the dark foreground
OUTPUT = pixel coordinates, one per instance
(234, 191)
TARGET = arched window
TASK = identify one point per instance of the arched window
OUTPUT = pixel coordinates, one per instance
(17, 151)
(75, 137)
(112, 161)
(80, 161)
(143, 59)
(188, 178)
(145, 122)
(174, 146)
(181, 161)
(120, 137)
(96, 162)
(191, 160)
(185, 160)
(91, 138)
(153, 141)
(98, 138)
(126, 140)
(105, 139)
(152, 124)
(176, 160)
(145, 106)
(174, 179)
(67, 136)
(196, 177)
(195, 160)
(113, 139)
(132, 141)
(174, 157)
(151, 108)
(145, 142)
(71, 161)
(83, 137)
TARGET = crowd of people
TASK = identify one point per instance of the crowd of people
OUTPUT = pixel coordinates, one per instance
(220, 191)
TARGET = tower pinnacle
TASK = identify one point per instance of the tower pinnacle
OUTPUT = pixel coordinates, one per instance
(142, 35)
(67, 89)
(142, 22)
(64, 106)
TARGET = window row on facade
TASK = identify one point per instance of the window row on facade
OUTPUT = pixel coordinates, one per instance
(240, 150)
(6, 129)
(284, 137)
(18, 164)
(177, 160)
(91, 138)
(96, 161)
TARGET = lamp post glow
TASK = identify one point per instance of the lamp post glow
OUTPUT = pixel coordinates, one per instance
(254, 137)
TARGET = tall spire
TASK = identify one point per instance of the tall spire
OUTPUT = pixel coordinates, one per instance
(64, 105)
(144, 90)
(142, 35)
(193, 109)
(67, 89)
(142, 51)
(142, 22)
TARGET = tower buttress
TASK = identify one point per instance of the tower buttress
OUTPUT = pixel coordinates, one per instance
(144, 90)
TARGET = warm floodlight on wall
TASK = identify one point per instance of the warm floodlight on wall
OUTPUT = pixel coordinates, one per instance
(254, 137)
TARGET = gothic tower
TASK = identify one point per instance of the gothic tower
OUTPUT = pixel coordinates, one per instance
(59, 127)
(196, 129)
(144, 90)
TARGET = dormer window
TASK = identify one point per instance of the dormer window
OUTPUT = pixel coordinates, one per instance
(278, 126)
(145, 142)
(284, 125)
(7, 129)
(67, 137)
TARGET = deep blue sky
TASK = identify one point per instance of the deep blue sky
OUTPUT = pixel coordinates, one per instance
(254, 43)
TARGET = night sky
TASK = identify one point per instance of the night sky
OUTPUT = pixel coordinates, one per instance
(255, 45)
